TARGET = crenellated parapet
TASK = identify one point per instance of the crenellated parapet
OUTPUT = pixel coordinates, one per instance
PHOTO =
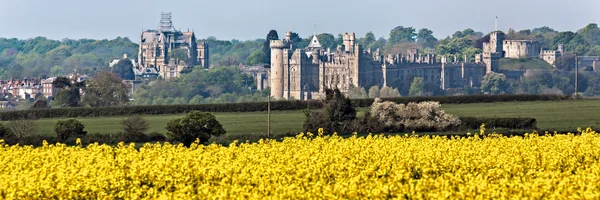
(279, 44)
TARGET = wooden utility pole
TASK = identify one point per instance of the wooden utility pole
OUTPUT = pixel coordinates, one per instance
(269, 114)
(576, 74)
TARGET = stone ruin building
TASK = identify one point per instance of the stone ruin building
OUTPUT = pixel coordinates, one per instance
(530, 49)
(156, 45)
(305, 73)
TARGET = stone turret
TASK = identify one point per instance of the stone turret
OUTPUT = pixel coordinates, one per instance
(277, 67)
(349, 39)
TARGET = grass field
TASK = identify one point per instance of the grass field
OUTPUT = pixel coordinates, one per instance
(559, 115)
(524, 63)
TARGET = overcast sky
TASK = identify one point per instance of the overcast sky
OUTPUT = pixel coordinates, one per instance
(251, 19)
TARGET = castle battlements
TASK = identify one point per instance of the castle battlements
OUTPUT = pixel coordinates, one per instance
(306, 73)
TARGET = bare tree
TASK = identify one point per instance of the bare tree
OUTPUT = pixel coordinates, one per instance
(23, 127)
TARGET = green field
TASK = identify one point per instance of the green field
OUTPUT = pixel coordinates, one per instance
(559, 115)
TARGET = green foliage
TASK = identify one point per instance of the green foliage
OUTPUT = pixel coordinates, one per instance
(61, 82)
(255, 58)
(41, 56)
(338, 107)
(105, 89)
(337, 113)
(357, 93)
(124, 69)
(266, 49)
(494, 83)
(134, 126)
(374, 92)
(425, 37)
(4, 132)
(417, 87)
(402, 34)
(195, 125)
(180, 55)
(40, 104)
(218, 85)
(328, 41)
(68, 97)
(68, 128)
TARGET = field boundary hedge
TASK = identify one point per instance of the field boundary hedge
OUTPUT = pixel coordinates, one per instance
(524, 123)
(255, 106)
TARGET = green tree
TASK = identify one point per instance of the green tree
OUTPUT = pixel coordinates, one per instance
(368, 40)
(255, 58)
(124, 68)
(65, 98)
(195, 125)
(105, 89)
(179, 55)
(327, 40)
(374, 91)
(543, 30)
(402, 34)
(357, 93)
(417, 87)
(68, 128)
(266, 49)
(134, 127)
(494, 83)
(425, 37)
(61, 82)
(562, 38)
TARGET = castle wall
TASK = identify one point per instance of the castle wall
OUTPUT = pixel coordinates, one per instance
(521, 48)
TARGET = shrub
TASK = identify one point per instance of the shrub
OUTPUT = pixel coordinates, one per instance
(67, 128)
(195, 125)
(423, 116)
(134, 127)
(21, 127)
(4, 132)
(336, 116)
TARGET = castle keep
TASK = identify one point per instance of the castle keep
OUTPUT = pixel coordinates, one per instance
(156, 47)
(305, 73)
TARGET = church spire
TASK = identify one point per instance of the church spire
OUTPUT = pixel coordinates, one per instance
(314, 43)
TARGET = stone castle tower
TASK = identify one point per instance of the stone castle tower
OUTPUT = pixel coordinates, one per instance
(493, 51)
(277, 65)
(156, 46)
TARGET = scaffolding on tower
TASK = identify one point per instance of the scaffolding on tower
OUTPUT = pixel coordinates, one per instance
(166, 24)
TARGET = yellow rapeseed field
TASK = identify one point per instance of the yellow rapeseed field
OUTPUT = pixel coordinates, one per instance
(312, 167)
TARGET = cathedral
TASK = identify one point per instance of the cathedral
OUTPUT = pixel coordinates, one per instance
(158, 48)
(305, 73)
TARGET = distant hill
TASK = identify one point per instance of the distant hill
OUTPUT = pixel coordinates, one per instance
(524, 63)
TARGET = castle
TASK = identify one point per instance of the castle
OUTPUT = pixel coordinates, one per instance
(158, 46)
(305, 73)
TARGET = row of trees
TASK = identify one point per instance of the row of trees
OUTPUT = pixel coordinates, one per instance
(102, 90)
(218, 85)
(195, 126)
(542, 82)
(41, 57)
